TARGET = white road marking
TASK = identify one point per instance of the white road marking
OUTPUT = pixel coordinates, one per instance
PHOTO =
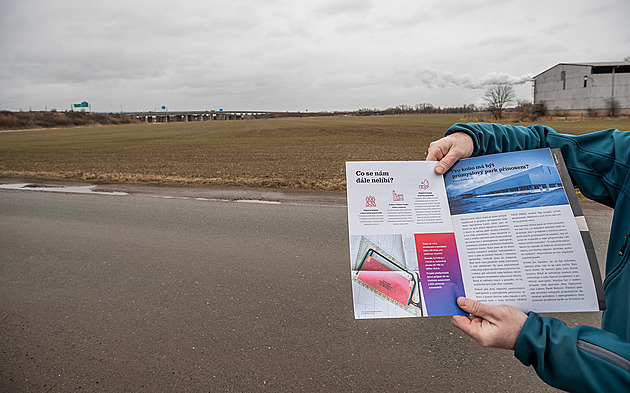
(67, 189)
(91, 189)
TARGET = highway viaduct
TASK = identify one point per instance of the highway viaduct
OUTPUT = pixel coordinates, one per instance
(185, 116)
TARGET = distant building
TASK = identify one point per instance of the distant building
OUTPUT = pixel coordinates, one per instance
(584, 88)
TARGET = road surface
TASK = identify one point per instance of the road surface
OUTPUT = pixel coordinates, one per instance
(143, 293)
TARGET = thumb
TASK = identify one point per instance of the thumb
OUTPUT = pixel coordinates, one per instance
(475, 308)
(446, 163)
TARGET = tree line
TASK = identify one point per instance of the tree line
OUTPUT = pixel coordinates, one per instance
(497, 97)
(50, 119)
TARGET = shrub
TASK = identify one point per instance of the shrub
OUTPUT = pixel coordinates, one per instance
(25, 120)
(530, 112)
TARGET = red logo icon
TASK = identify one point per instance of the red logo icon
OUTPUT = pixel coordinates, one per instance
(424, 184)
(397, 197)
(370, 201)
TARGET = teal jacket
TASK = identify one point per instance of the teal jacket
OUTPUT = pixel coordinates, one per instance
(584, 358)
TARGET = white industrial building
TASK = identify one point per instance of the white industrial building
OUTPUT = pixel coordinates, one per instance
(584, 88)
(539, 178)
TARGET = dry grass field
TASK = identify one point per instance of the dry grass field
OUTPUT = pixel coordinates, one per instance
(304, 153)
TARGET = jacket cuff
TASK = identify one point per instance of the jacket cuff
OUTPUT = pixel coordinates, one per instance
(530, 333)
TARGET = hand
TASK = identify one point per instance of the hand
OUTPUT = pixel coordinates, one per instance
(449, 149)
(490, 326)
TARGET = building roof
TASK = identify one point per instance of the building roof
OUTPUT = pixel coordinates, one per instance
(591, 64)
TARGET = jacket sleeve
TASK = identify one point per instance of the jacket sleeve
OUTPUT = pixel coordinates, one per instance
(580, 359)
(597, 161)
(583, 358)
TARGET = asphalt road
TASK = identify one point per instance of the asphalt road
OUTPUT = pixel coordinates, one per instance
(145, 294)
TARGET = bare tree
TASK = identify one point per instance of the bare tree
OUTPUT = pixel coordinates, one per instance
(497, 96)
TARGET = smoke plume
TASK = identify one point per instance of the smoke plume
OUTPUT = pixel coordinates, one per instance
(434, 78)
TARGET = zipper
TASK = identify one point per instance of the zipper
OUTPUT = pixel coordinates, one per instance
(624, 260)
(604, 353)
(623, 248)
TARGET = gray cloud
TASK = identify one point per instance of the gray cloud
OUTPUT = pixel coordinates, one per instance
(287, 55)
(347, 7)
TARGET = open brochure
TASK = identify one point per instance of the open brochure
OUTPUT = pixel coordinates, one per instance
(502, 229)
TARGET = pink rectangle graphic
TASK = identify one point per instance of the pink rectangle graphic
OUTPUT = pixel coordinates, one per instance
(440, 273)
(389, 283)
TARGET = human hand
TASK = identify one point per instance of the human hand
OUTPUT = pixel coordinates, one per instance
(490, 326)
(449, 149)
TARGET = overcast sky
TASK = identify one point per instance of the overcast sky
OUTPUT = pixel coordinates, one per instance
(292, 55)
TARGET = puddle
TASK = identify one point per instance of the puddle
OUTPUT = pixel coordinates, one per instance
(39, 186)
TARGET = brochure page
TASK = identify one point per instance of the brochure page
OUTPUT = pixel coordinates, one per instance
(497, 228)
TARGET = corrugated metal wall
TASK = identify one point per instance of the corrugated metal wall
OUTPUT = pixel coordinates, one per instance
(575, 87)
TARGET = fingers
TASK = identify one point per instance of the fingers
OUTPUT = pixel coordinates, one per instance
(435, 152)
(467, 323)
(475, 308)
(448, 150)
(472, 326)
(490, 326)
(441, 151)
(462, 322)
